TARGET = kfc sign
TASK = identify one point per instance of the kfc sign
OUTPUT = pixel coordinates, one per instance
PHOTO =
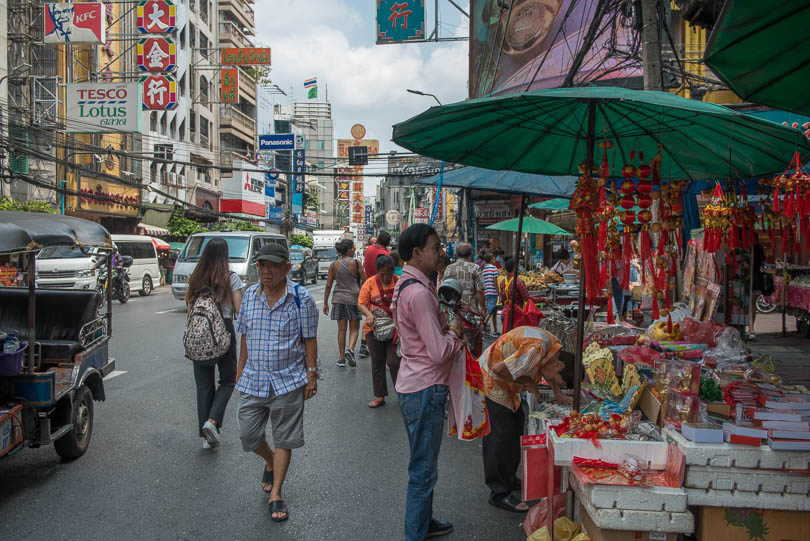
(102, 107)
(156, 54)
(74, 23)
(156, 16)
(159, 92)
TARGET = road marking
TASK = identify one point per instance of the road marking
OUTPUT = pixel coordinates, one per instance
(179, 309)
(318, 302)
(115, 374)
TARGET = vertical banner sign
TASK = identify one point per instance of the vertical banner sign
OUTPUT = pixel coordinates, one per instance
(156, 54)
(156, 16)
(299, 176)
(159, 92)
(229, 85)
(400, 21)
(74, 23)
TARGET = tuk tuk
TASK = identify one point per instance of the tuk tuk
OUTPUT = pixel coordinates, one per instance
(48, 386)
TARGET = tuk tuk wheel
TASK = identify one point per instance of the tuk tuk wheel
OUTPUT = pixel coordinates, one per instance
(74, 443)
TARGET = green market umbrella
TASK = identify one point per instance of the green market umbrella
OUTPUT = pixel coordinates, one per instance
(551, 204)
(530, 225)
(759, 49)
(548, 132)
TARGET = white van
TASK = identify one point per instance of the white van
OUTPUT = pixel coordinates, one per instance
(242, 247)
(66, 267)
(145, 270)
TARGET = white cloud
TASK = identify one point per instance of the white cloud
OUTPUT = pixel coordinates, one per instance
(334, 41)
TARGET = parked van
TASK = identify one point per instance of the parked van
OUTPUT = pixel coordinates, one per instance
(67, 267)
(242, 248)
(145, 270)
(325, 256)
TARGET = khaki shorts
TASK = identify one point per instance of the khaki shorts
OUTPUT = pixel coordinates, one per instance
(286, 415)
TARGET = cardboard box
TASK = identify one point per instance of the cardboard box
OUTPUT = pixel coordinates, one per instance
(11, 433)
(651, 406)
(600, 534)
(738, 524)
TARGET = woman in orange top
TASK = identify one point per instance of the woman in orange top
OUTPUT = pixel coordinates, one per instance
(375, 303)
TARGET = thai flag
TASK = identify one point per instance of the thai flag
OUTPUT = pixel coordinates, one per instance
(309, 83)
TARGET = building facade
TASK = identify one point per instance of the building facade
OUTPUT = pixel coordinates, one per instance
(314, 120)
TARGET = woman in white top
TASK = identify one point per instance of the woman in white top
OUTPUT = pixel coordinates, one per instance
(212, 277)
(564, 264)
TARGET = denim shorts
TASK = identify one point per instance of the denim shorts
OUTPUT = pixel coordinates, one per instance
(492, 303)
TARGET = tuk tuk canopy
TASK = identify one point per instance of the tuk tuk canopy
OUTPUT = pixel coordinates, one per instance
(27, 231)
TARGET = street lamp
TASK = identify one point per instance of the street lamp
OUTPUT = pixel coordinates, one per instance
(16, 71)
(420, 93)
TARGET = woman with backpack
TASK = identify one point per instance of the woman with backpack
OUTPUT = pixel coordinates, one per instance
(375, 304)
(346, 274)
(213, 280)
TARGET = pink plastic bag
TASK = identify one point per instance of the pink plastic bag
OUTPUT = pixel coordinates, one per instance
(536, 517)
(638, 354)
(701, 332)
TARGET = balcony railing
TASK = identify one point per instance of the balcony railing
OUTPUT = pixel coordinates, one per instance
(235, 118)
(229, 31)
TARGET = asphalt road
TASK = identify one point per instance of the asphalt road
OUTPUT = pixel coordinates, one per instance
(145, 475)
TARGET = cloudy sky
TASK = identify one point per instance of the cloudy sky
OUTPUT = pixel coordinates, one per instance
(333, 40)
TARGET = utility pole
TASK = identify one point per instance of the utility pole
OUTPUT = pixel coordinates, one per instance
(651, 45)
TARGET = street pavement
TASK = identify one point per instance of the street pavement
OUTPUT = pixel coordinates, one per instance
(145, 475)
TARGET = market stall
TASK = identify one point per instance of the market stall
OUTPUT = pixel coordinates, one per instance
(635, 154)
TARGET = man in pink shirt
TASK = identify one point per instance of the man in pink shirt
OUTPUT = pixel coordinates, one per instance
(427, 346)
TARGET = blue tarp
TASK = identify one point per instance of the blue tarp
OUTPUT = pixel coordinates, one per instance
(511, 182)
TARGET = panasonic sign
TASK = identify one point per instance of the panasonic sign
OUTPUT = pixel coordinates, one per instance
(284, 141)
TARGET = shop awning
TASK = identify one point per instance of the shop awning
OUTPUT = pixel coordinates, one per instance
(161, 245)
(513, 182)
(153, 230)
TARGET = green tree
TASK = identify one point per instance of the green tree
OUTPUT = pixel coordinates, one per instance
(260, 74)
(26, 206)
(311, 201)
(181, 227)
(301, 240)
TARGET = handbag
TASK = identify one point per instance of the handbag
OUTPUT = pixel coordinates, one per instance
(383, 328)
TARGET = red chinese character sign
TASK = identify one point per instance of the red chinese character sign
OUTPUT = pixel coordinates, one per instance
(156, 16)
(156, 54)
(159, 92)
(400, 21)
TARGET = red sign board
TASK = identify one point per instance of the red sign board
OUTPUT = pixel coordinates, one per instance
(229, 85)
(156, 16)
(159, 92)
(74, 23)
(251, 56)
(156, 54)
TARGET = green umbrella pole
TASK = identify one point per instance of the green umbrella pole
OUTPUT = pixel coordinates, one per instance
(589, 144)
(517, 265)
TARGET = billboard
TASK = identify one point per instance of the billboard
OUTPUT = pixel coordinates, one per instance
(102, 107)
(534, 46)
(243, 192)
(74, 23)
(109, 197)
(280, 141)
(400, 21)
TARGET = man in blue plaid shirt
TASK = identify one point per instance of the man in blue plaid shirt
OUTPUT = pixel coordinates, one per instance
(277, 368)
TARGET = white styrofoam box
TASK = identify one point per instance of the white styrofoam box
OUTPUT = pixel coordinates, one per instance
(644, 521)
(727, 455)
(632, 498)
(740, 498)
(709, 477)
(565, 449)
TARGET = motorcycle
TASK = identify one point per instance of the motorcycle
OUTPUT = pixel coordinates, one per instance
(119, 283)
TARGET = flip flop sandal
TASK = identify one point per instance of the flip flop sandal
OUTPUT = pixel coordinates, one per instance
(376, 404)
(279, 506)
(509, 503)
(267, 477)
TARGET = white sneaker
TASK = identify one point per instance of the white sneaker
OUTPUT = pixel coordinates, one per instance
(206, 445)
(211, 434)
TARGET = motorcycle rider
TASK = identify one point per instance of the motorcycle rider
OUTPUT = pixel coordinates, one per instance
(117, 269)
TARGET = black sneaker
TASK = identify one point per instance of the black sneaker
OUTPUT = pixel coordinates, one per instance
(350, 357)
(341, 363)
(438, 528)
(363, 350)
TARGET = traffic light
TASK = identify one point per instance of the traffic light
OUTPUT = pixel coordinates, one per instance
(358, 155)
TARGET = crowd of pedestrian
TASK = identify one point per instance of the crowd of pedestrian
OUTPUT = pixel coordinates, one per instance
(409, 340)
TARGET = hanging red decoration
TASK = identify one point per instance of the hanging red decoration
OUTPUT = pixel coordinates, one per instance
(645, 217)
(610, 319)
(715, 221)
(586, 204)
(629, 171)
